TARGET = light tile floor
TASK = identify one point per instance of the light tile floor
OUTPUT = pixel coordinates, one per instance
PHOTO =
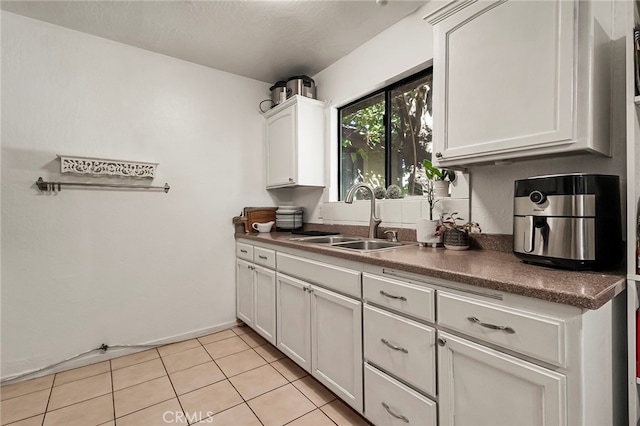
(233, 377)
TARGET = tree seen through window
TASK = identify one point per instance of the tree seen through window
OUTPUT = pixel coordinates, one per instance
(384, 136)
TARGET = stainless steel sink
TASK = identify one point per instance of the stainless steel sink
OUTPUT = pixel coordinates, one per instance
(369, 245)
(359, 244)
(327, 239)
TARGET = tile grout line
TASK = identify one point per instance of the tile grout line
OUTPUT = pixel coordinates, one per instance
(245, 402)
(135, 363)
(289, 382)
(113, 394)
(28, 393)
(322, 411)
(81, 378)
(305, 395)
(46, 408)
(77, 402)
(317, 407)
(137, 411)
(171, 383)
(223, 373)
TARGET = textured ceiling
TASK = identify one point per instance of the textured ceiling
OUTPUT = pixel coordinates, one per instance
(264, 40)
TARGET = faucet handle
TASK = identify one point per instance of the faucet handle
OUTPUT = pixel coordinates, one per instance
(391, 236)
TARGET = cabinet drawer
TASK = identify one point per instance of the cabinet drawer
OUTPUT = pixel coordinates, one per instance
(244, 251)
(389, 402)
(399, 296)
(525, 332)
(342, 280)
(265, 257)
(402, 347)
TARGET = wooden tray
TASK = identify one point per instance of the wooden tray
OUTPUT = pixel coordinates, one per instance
(258, 215)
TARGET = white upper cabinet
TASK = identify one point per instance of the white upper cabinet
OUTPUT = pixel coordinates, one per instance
(295, 140)
(520, 79)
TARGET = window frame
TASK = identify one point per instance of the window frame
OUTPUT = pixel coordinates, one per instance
(387, 129)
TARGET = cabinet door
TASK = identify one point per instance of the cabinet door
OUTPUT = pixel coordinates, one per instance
(281, 148)
(244, 291)
(498, 88)
(482, 387)
(265, 304)
(336, 344)
(294, 319)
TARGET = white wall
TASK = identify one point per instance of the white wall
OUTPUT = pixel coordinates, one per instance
(407, 47)
(87, 266)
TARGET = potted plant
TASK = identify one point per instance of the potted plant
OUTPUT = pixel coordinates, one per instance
(427, 230)
(440, 178)
(456, 233)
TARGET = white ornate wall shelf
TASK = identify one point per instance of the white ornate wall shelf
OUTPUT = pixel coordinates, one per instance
(104, 166)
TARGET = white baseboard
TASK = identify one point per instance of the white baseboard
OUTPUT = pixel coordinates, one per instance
(97, 356)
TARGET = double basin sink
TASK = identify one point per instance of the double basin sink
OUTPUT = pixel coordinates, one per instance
(363, 245)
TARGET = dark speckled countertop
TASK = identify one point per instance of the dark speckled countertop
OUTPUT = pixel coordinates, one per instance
(483, 268)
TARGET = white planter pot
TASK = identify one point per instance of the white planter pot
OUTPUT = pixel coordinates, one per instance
(426, 232)
(441, 188)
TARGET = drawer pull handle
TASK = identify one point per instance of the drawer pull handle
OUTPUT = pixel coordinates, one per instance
(391, 296)
(506, 329)
(397, 416)
(262, 257)
(394, 347)
(243, 251)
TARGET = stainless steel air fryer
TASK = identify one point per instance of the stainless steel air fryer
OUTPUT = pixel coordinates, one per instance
(570, 221)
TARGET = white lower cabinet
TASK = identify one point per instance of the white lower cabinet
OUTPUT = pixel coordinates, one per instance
(264, 303)
(389, 402)
(336, 344)
(244, 291)
(405, 349)
(293, 310)
(322, 332)
(480, 386)
(256, 295)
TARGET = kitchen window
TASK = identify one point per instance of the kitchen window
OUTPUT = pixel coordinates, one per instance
(385, 135)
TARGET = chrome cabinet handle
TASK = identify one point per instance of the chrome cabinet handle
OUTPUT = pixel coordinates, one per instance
(506, 329)
(391, 296)
(262, 257)
(438, 155)
(290, 179)
(243, 251)
(442, 341)
(397, 416)
(394, 347)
